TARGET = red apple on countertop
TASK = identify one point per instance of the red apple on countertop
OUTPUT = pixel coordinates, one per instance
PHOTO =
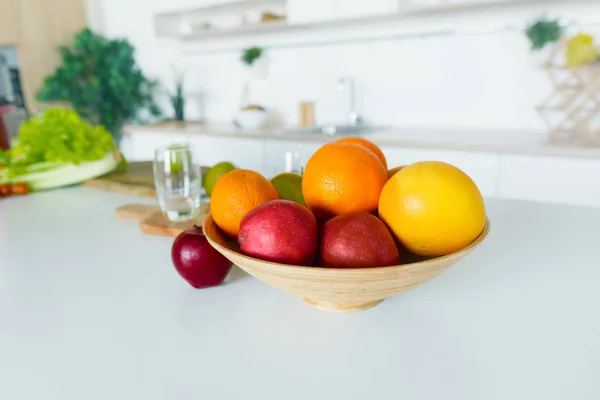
(280, 231)
(197, 261)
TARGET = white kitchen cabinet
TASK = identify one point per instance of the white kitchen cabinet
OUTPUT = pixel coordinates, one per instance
(244, 153)
(275, 153)
(208, 150)
(481, 167)
(127, 148)
(140, 146)
(550, 179)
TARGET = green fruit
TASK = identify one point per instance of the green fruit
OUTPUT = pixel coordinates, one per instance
(289, 187)
(179, 155)
(214, 173)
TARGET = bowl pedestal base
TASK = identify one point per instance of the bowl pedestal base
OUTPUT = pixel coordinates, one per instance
(340, 307)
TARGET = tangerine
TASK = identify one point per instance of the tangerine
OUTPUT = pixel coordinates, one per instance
(235, 194)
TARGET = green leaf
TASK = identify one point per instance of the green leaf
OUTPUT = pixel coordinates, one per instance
(4, 157)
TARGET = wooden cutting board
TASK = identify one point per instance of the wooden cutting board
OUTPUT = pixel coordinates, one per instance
(137, 180)
(153, 222)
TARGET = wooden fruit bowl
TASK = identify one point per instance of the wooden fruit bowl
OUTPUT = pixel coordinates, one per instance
(337, 289)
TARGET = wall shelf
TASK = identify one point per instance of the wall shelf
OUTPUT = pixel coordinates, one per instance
(177, 25)
(467, 18)
(228, 7)
(183, 23)
(454, 18)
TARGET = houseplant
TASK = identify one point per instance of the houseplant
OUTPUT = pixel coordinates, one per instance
(544, 36)
(251, 54)
(177, 99)
(543, 32)
(256, 61)
(101, 80)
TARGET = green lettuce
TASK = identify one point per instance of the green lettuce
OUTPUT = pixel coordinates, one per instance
(3, 158)
(58, 148)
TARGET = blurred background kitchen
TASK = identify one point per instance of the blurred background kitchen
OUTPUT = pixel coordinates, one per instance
(508, 90)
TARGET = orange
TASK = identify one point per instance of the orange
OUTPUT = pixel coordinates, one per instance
(369, 145)
(341, 178)
(392, 172)
(235, 194)
(432, 208)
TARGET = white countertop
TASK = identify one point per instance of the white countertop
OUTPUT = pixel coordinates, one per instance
(499, 141)
(90, 308)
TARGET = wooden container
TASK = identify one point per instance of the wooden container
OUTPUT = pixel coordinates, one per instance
(307, 113)
(337, 289)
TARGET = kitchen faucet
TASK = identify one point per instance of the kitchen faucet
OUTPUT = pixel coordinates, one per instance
(353, 118)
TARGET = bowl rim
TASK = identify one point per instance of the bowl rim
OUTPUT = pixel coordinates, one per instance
(457, 254)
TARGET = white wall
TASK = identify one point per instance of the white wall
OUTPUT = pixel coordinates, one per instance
(449, 81)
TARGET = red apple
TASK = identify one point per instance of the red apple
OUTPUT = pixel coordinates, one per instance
(357, 240)
(197, 261)
(280, 231)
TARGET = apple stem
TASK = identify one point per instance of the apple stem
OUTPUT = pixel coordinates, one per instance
(197, 227)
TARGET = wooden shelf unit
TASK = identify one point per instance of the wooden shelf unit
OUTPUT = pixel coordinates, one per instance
(36, 29)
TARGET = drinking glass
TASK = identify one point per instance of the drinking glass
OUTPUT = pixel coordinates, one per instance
(178, 183)
(291, 163)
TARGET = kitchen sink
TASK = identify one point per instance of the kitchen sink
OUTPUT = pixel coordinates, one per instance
(336, 129)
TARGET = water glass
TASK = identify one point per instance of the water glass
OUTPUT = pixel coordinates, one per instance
(292, 163)
(178, 183)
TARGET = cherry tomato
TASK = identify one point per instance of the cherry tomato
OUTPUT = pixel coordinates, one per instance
(20, 188)
(5, 190)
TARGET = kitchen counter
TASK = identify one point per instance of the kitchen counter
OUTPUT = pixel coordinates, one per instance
(497, 141)
(92, 309)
